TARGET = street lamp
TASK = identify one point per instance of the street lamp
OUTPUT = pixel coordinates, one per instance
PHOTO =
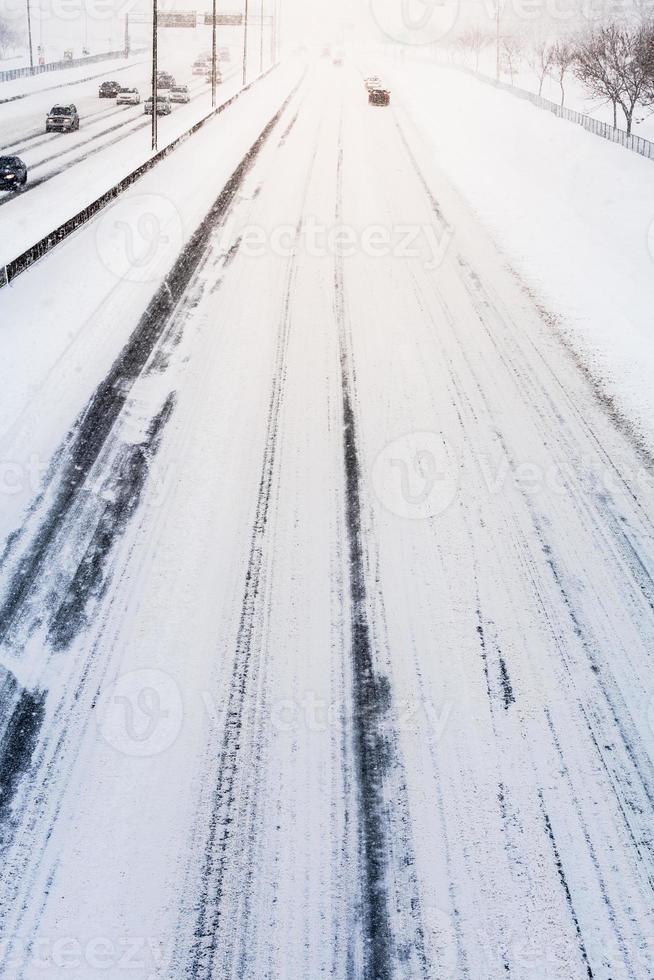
(245, 43)
(261, 39)
(29, 34)
(154, 75)
(213, 57)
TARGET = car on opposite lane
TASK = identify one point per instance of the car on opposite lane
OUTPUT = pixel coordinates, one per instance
(108, 90)
(13, 173)
(128, 96)
(62, 118)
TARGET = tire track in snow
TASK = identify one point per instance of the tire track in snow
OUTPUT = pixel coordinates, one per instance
(30, 572)
(223, 824)
(376, 746)
(564, 885)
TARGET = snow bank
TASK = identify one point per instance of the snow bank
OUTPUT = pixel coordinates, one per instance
(573, 213)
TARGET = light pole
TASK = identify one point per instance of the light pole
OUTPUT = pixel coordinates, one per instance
(261, 39)
(497, 40)
(154, 75)
(29, 34)
(213, 57)
(245, 43)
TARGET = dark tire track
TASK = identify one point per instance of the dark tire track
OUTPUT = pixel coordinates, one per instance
(222, 823)
(375, 742)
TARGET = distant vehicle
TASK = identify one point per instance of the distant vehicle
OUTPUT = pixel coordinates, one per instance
(199, 66)
(63, 118)
(180, 93)
(224, 54)
(379, 96)
(128, 96)
(219, 77)
(108, 90)
(68, 55)
(164, 108)
(13, 173)
(165, 80)
(373, 81)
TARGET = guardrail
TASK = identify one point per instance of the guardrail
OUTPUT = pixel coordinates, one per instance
(12, 73)
(31, 255)
(637, 144)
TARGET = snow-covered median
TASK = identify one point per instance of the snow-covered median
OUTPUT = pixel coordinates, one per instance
(573, 214)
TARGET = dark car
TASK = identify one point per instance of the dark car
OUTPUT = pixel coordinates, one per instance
(13, 173)
(165, 80)
(62, 118)
(108, 90)
(379, 96)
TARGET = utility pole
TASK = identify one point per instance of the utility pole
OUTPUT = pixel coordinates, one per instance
(29, 34)
(154, 75)
(245, 43)
(127, 35)
(497, 39)
(213, 57)
(261, 39)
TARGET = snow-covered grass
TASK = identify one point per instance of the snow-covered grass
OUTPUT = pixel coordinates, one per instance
(573, 213)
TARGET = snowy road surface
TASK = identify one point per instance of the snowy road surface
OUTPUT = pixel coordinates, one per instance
(327, 642)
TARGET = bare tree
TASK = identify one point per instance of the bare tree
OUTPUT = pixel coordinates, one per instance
(618, 64)
(594, 66)
(563, 55)
(540, 56)
(511, 50)
(9, 37)
(474, 39)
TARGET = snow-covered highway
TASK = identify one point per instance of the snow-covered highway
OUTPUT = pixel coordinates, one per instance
(326, 607)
